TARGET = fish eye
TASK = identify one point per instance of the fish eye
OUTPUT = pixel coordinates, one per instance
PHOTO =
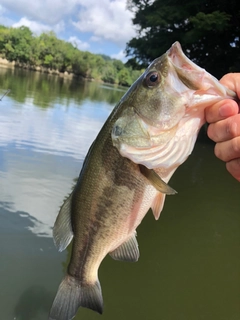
(152, 79)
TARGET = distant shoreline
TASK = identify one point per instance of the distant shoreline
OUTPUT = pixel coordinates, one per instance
(4, 63)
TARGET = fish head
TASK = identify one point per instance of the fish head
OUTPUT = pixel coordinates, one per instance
(165, 104)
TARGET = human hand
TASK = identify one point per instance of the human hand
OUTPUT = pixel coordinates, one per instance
(224, 126)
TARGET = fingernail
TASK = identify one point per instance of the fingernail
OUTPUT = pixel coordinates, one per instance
(225, 110)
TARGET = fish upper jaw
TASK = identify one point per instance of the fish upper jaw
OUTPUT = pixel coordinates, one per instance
(206, 87)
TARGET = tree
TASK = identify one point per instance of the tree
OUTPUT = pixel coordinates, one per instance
(208, 31)
(109, 73)
(124, 78)
(18, 44)
(46, 50)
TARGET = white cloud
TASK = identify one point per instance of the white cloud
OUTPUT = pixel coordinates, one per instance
(46, 11)
(59, 27)
(95, 39)
(106, 19)
(120, 56)
(78, 43)
(33, 25)
(37, 27)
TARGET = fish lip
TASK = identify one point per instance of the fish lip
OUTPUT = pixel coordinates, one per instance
(179, 59)
(183, 64)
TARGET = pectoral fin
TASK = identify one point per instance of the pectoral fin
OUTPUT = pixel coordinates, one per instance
(156, 181)
(128, 251)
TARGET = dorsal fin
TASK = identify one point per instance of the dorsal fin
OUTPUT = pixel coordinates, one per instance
(128, 251)
(62, 230)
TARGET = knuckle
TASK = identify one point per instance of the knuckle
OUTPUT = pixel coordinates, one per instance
(232, 129)
(209, 114)
(236, 146)
(211, 132)
(218, 151)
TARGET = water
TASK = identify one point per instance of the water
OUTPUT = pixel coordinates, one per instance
(190, 259)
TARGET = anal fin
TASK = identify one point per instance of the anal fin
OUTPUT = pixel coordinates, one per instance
(157, 205)
(128, 251)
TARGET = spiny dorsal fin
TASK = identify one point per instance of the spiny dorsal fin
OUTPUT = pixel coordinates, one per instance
(156, 181)
(157, 205)
(128, 251)
(62, 230)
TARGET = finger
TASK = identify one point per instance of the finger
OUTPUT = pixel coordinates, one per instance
(228, 150)
(233, 167)
(221, 110)
(224, 130)
(232, 81)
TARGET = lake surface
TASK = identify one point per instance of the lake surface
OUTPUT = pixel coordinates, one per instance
(189, 266)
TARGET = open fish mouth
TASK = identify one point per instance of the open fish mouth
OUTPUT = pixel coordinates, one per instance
(195, 77)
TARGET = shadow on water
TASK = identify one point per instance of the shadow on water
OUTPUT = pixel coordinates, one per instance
(34, 303)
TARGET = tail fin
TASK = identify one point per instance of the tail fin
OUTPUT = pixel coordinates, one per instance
(71, 295)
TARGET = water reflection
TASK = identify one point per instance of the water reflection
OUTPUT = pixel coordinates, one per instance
(58, 130)
(45, 90)
(47, 125)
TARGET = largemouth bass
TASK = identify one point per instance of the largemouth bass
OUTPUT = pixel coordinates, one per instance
(149, 133)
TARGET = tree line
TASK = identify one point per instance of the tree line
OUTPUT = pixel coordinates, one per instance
(46, 50)
(208, 30)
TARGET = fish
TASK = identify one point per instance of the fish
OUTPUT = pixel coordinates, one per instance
(149, 133)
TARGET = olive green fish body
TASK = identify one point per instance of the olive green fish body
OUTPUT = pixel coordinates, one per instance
(147, 136)
(109, 201)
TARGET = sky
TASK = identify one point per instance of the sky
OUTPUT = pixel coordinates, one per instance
(98, 26)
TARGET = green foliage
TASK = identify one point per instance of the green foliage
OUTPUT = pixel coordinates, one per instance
(118, 64)
(208, 31)
(109, 73)
(47, 51)
(18, 44)
(124, 77)
(206, 22)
